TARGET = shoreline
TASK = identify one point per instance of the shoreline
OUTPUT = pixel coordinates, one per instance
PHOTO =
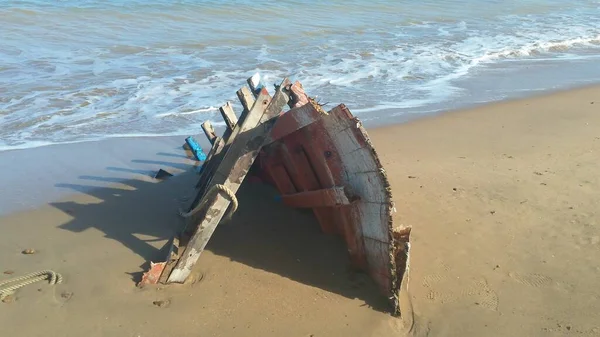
(376, 119)
(416, 116)
(130, 147)
(502, 200)
(56, 171)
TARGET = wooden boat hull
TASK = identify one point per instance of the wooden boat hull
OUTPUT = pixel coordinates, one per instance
(316, 159)
(329, 164)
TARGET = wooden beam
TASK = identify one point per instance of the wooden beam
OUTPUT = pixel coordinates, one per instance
(208, 171)
(231, 173)
(209, 131)
(280, 100)
(228, 116)
(212, 160)
(172, 257)
(246, 97)
(294, 120)
(327, 197)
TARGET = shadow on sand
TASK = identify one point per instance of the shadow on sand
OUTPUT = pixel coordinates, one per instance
(262, 234)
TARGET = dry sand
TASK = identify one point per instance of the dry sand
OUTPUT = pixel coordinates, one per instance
(503, 203)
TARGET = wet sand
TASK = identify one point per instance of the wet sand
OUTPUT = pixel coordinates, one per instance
(502, 200)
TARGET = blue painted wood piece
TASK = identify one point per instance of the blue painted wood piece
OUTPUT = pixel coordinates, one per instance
(196, 149)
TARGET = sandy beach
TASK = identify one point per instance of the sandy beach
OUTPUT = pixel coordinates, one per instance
(502, 200)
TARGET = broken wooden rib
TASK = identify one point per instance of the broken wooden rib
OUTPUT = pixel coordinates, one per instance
(229, 118)
(209, 131)
(212, 161)
(246, 98)
(233, 125)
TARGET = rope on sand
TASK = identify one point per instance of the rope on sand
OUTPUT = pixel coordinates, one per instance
(213, 190)
(20, 282)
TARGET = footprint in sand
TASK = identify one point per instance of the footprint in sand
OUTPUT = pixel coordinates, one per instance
(482, 295)
(532, 280)
(477, 291)
(440, 297)
(432, 279)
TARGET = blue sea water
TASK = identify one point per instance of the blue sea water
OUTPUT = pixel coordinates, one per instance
(76, 70)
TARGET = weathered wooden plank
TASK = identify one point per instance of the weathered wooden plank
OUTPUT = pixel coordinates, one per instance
(318, 155)
(247, 100)
(327, 197)
(281, 178)
(228, 116)
(211, 159)
(304, 177)
(214, 158)
(280, 100)
(231, 173)
(210, 218)
(372, 216)
(228, 138)
(350, 229)
(378, 260)
(294, 120)
(246, 97)
(172, 257)
(273, 108)
(209, 131)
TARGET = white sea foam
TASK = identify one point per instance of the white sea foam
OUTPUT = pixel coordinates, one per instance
(135, 78)
(181, 113)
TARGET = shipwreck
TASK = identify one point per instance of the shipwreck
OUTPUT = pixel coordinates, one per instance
(317, 159)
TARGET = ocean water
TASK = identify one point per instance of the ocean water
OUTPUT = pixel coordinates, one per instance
(77, 70)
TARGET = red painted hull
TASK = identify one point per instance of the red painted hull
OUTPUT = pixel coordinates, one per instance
(330, 166)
